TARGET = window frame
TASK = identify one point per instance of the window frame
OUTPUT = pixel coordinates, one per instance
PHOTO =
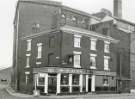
(29, 45)
(77, 65)
(39, 50)
(28, 60)
(93, 44)
(106, 46)
(106, 63)
(77, 41)
(93, 57)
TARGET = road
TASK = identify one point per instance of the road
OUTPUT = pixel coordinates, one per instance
(5, 95)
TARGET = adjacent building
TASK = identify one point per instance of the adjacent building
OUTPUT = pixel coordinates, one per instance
(61, 50)
(5, 76)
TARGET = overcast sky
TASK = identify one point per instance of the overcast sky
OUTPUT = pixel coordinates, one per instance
(7, 10)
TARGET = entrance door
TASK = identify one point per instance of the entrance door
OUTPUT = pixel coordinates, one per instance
(89, 85)
(52, 83)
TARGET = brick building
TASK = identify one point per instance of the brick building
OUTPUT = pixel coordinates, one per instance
(60, 50)
(122, 30)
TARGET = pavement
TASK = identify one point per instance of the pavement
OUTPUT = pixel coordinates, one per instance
(7, 92)
(13, 93)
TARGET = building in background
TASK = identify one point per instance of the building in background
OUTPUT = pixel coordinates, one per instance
(5, 76)
(123, 30)
(61, 50)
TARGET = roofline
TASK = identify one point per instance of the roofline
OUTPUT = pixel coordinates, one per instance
(54, 3)
(131, 23)
(76, 11)
(68, 29)
(48, 2)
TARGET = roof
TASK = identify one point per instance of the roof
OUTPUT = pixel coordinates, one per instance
(55, 3)
(43, 2)
(99, 15)
(5, 69)
(102, 15)
(75, 30)
(76, 11)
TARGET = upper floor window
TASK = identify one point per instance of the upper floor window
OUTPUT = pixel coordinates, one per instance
(27, 60)
(77, 57)
(27, 77)
(63, 16)
(29, 45)
(77, 39)
(36, 27)
(105, 31)
(106, 62)
(106, 47)
(93, 61)
(51, 42)
(39, 54)
(93, 43)
(63, 19)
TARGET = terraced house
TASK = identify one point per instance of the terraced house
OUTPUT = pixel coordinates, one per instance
(58, 50)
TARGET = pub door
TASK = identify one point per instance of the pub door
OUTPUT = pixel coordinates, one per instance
(52, 83)
(89, 85)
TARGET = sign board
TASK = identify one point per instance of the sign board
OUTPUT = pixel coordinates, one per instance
(61, 70)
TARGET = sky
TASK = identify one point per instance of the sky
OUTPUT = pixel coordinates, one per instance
(7, 10)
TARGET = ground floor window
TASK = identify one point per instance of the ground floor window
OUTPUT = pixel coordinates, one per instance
(41, 81)
(84, 82)
(64, 79)
(75, 83)
(75, 79)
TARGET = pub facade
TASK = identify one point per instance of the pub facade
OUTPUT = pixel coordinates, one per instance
(55, 51)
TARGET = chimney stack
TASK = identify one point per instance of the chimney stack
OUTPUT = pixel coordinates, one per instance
(117, 7)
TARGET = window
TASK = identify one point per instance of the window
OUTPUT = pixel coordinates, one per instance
(51, 42)
(63, 19)
(64, 79)
(77, 59)
(77, 39)
(41, 79)
(39, 54)
(93, 44)
(106, 46)
(27, 60)
(105, 81)
(70, 59)
(51, 59)
(106, 62)
(63, 16)
(27, 77)
(105, 31)
(92, 61)
(36, 27)
(29, 45)
(75, 79)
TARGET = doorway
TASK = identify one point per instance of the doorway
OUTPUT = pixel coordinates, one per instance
(89, 85)
(52, 83)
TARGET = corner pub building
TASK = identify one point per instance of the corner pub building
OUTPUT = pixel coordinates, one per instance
(56, 52)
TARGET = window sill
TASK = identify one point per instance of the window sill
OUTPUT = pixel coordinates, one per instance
(105, 85)
(27, 67)
(106, 69)
(93, 67)
(38, 57)
(77, 46)
(76, 66)
(38, 63)
(93, 49)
